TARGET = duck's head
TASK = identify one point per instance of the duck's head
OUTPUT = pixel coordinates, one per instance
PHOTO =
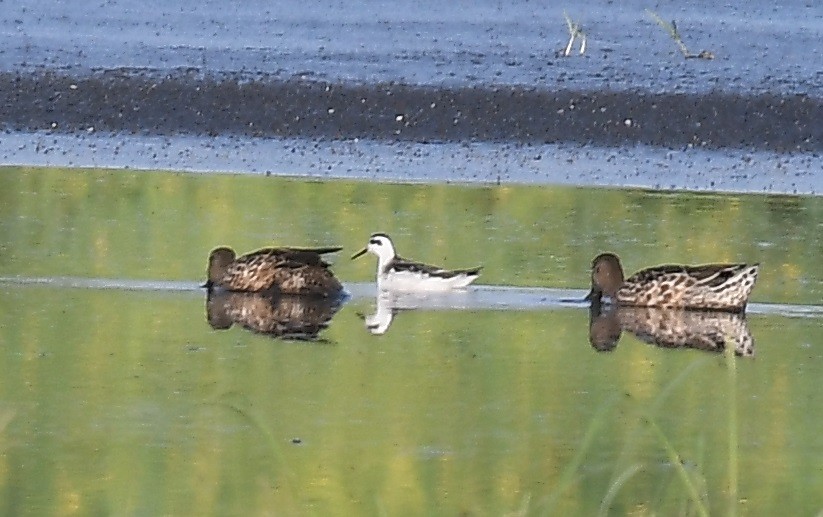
(381, 245)
(219, 261)
(607, 277)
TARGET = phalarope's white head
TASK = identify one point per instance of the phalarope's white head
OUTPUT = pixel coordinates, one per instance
(398, 274)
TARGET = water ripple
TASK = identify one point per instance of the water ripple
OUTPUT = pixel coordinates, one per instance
(485, 297)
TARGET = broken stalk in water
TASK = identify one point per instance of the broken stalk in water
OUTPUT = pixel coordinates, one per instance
(575, 31)
(671, 28)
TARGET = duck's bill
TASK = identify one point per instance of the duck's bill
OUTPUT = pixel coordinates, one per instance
(359, 253)
(592, 296)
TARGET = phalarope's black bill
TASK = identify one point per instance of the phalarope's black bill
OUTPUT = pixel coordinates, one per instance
(395, 273)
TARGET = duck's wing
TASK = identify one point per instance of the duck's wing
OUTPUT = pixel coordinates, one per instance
(318, 251)
(709, 275)
(253, 271)
(714, 286)
(290, 270)
(299, 257)
(657, 273)
(716, 275)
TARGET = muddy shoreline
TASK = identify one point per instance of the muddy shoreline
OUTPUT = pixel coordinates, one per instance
(420, 91)
(188, 103)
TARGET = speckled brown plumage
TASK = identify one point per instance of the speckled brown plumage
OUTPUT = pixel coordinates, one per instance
(298, 271)
(712, 331)
(282, 316)
(709, 287)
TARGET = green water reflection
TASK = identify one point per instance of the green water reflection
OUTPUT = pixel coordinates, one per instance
(128, 402)
(121, 224)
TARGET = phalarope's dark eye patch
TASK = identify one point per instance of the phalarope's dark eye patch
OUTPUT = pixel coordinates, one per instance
(375, 241)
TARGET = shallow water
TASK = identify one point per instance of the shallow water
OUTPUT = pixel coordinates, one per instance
(119, 397)
(482, 163)
(758, 47)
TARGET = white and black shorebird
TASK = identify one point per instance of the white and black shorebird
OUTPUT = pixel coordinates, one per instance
(395, 273)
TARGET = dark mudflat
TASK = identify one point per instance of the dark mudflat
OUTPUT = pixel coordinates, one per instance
(181, 103)
(404, 75)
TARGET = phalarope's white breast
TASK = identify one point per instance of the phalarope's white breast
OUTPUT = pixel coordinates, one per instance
(398, 274)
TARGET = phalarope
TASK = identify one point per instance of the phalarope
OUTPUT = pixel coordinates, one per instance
(395, 273)
(724, 287)
(299, 271)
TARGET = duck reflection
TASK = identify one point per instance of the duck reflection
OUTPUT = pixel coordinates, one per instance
(281, 316)
(711, 331)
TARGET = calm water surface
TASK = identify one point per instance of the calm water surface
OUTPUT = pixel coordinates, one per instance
(126, 400)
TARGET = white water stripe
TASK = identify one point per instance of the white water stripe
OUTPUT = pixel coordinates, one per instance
(477, 297)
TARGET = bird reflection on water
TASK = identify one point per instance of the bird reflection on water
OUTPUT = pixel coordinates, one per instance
(281, 316)
(711, 331)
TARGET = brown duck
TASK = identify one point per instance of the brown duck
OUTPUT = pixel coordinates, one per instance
(300, 271)
(724, 287)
